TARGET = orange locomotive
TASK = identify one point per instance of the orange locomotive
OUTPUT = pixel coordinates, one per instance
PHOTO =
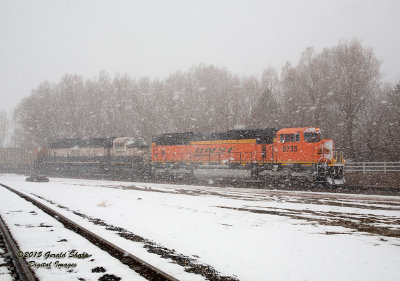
(260, 152)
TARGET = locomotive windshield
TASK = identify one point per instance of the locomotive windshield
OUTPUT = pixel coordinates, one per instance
(312, 137)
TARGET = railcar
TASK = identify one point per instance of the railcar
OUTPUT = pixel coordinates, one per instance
(249, 153)
(76, 156)
(129, 156)
(94, 156)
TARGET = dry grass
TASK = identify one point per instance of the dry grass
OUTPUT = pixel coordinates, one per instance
(103, 204)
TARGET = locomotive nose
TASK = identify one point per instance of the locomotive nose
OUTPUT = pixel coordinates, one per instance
(327, 149)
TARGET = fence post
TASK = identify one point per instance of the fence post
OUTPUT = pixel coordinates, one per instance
(384, 167)
(363, 167)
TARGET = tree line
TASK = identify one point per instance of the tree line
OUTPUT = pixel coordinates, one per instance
(338, 89)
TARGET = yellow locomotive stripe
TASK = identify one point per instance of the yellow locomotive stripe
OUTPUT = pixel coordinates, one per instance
(224, 141)
(307, 163)
(72, 162)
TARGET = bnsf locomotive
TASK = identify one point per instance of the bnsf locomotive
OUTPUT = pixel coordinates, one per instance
(250, 153)
(259, 153)
(97, 156)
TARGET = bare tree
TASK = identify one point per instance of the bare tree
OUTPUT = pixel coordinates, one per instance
(34, 117)
(333, 89)
(336, 89)
(307, 87)
(390, 124)
(4, 122)
(357, 76)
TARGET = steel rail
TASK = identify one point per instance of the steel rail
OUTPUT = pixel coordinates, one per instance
(20, 265)
(141, 267)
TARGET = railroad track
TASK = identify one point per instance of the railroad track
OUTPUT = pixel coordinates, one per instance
(141, 267)
(255, 184)
(20, 270)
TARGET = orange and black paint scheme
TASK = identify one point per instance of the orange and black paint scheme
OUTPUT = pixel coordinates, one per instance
(260, 150)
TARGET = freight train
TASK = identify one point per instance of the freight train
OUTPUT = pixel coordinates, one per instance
(96, 156)
(241, 154)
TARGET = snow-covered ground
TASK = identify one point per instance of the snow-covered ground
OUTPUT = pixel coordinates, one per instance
(251, 234)
(54, 252)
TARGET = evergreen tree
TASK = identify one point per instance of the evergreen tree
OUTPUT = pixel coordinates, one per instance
(266, 111)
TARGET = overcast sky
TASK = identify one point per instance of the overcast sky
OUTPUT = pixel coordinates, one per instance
(42, 39)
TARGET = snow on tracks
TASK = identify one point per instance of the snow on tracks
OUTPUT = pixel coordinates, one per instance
(54, 252)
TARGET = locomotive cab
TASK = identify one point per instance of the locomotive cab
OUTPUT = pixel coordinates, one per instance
(312, 135)
(306, 147)
(303, 146)
(128, 149)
